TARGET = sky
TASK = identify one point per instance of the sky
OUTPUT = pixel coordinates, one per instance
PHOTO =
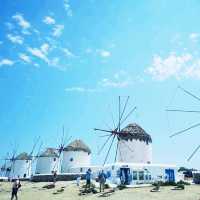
(65, 62)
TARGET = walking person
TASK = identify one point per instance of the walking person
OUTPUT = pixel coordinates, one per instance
(16, 185)
(102, 180)
(78, 179)
(88, 178)
(54, 177)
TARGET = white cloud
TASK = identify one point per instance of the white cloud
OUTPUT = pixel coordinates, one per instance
(68, 8)
(15, 39)
(79, 89)
(57, 30)
(6, 61)
(38, 53)
(21, 21)
(105, 53)
(41, 52)
(68, 53)
(194, 36)
(119, 80)
(178, 67)
(25, 58)
(49, 20)
(45, 48)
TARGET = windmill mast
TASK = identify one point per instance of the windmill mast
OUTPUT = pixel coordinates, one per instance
(116, 132)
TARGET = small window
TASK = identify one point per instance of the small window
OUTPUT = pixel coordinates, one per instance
(71, 159)
(149, 177)
(146, 177)
(141, 175)
(54, 159)
(26, 161)
(81, 169)
(134, 175)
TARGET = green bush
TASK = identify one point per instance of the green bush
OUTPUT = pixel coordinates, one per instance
(183, 183)
(121, 187)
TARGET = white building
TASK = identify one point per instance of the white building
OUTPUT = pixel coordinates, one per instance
(134, 161)
(134, 145)
(140, 173)
(21, 166)
(75, 155)
(47, 162)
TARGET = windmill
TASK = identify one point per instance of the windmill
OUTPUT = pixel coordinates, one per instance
(190, 127)
(64, 140)
(4, 165)
(116, 133)
(30, 156)
(12, 160)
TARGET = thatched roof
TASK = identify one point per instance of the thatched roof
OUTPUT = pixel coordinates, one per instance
(77, 145)
(134, 131)
(23, 156)
(49, 152)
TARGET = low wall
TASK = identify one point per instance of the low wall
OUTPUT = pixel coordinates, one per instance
(60, 177)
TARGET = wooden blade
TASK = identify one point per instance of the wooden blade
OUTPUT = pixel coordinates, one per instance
(104, 135)
(193, 153)
(189, 93)
(34, 146)
(122, 114)
(128, 115)
(39, 149)
(116, 151)
(124, 108)
(179, 110)
(109, 150)
(191, 127)
(104, 144)
(108, 131)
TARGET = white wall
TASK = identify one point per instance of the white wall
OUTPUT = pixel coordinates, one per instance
(45, 165)
(74, 159)
(21, 167)
(157, 172)
(134, 151)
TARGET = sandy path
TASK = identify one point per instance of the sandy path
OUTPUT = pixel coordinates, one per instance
(34, 191)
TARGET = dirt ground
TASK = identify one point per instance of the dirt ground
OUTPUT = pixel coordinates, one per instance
(34, 191)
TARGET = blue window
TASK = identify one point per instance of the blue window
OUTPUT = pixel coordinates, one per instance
(134, 175)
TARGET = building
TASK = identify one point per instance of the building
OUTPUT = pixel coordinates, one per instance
(21, 166)
(47, 162)
(134, 145)
(140, 173)
(134, 160)
(76, 156)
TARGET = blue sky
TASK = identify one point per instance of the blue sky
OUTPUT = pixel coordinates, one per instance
(64, 62)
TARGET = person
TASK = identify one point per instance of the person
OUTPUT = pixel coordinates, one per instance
(88, 178)
(102, 180)
(78, 180)
(15, 187)
(54, 177)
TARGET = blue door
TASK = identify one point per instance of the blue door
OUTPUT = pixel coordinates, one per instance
(125, 176)
(170, 175)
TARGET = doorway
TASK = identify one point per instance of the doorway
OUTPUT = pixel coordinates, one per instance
(170, 175)
(125, 176)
